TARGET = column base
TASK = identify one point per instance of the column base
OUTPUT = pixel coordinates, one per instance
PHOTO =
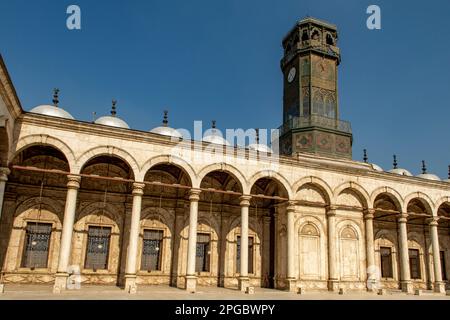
(191, 284)
(130, 283)
(333, 285)
(244, 283)
(407, 287)
(60, 282)
(291, 284)
(439, 287)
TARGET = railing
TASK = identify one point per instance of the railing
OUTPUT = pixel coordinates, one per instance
(315, 121)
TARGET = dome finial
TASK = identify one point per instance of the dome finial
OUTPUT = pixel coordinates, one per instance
(395, 162)
(55, 97)
(257, 135)
(214, 124)
(449, 172)
(113, 108)
(365, 158)
(424, 167)
(166, 118)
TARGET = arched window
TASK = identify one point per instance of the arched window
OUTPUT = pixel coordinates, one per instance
(330, 40)
(305, 36)
(349, 253)
(309, 251)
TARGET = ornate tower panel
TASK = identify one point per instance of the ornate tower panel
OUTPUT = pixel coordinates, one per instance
(310, 99)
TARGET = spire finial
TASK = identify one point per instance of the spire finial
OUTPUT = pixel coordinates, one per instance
(449, 172)
(113, 108)
(214, 124)
(257, 135)
(424, 167)
(166, 118)
(55, 97)
(365, 158)
(395, 162)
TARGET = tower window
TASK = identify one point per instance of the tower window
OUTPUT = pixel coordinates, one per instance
(305, 36)
(151, 250)
(330, 40)
(37, 245)
(315, 35)
(98, 248)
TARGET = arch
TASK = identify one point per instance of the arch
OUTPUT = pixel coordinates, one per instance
(393, 194)
(109, 211)
(231, 170)
(309, 229)
(107, 150)
(422, 197)
(349, 224)
(45, 140)
(48, 203)
(272, 175)
(167, 159)
(439, 203)
(355, 187)
(318, 182)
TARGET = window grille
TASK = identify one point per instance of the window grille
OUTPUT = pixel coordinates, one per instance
(414, 263)
(98, 248)
(443, 266)
(203, 252)
(386, 262)
(37, 242)
(250, 255)
(151, 250)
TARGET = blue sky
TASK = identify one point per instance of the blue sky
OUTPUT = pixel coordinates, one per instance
(219, 59)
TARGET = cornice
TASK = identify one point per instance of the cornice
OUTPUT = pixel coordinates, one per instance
(8, 92)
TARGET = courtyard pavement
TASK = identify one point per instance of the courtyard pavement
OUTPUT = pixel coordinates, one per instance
(44, 292)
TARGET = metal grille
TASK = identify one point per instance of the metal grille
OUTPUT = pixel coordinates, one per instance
(386, 262)
(37, 245)
(443, 266)
(250, 255)
(98, 248)
(414, 263)
(202, 253)
(151, 251)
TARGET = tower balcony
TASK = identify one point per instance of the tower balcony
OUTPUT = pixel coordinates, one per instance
(315, 120)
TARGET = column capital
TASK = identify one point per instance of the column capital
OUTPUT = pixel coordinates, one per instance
(331, 210)
(291, 206)
(433, 221)
(4, 172)
(73, 181)
(194, 194)
(245, 201)
(369, 213)
(403, 217)
(138, 189)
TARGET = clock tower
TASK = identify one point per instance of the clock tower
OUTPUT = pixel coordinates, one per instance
(310, 99)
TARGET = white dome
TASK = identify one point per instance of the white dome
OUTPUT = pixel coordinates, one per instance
(377, 167)
(167, 131)
(400, 171)
(260, 147)
(214, 136)
(112, 122)
(52, 111)
(429, 176)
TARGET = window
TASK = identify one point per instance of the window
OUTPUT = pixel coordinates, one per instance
(250, 255)
(98, 248)
(203, 252)
(37, 242)
(414, 263)
(151, 250)
(386, 262)
(443, 267)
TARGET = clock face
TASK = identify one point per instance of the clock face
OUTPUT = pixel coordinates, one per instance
(291, 74)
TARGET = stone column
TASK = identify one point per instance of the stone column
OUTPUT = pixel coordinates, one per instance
(439, 285)
(372, 274)
(405, 281)
(61, 276)
(4, 172)
(291, 279)
(333, 277)
(244, 281)
(130, 269)
(191, 278)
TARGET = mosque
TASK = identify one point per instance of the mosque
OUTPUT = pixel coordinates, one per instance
(100, 203)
